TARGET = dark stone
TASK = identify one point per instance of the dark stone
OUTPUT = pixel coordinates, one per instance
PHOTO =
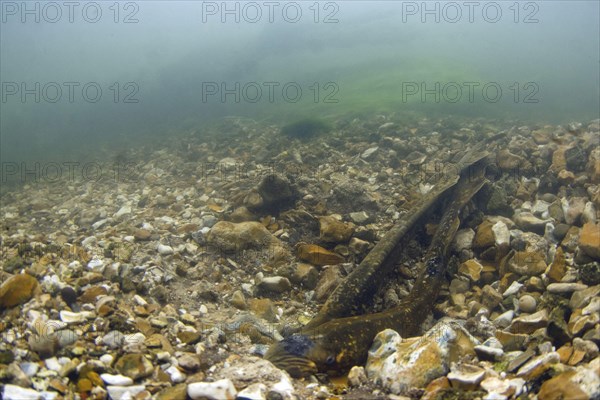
(497, 201)
(576, 159)
(521, 359)
(13, 264)
(69, 295)
(590, 273)
(277, 193)
(557, 326)
(560, 231)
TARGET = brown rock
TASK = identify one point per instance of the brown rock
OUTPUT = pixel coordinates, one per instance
(527, 263)
(565, 177)
(558, 268)
(229, 237)
(317, 255)
(490, 297)
(589, 240)
(565, 353)
(471, 269)
(529, 323)
(263, 308)
(134, 365)
(305, 275)
(484, 237)
(91, 294)
(334, 231)
(435, 387)
(511, 341)
(177, 392)
(142, 234)
(330, 278)
(561, 387)
(559, 161)
(571, 239)
(17, 289)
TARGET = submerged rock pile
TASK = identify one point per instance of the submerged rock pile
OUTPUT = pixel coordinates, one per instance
(170, 281)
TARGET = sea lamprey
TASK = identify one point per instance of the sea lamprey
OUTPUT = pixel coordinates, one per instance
(337, 344)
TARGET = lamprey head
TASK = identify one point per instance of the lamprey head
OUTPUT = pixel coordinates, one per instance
(300, 355)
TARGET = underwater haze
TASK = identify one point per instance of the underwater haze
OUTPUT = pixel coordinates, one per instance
(80, 76)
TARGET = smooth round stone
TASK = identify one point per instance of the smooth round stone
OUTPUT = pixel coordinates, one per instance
(561, 288)
(527, 304)
(118, 380)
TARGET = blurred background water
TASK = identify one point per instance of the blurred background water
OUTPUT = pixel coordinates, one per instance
(85, 75)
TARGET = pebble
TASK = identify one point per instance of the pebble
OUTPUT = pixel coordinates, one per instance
(565, 288)
(357, 376)
(589, 240)
(124, 392)
(73, 318)
(256, 391)
(399, 364)
(463, 240)
(117, 380)
(219, 390)
(471, 269)
(512, 289)
(17, 290)
(360, 217)
(317, 255)
(113, 339)
(368, 152)
(529, 222)
(14, 392)
(501, 234)
(503, 320)
(488, 353)
(231, 237)
(527, 304)
(538, 365)
(134, 365)
(176, 375)
(276, 284)
(465, 376)
(333, 230)
(529, 323)
(527, 263)
(189, 362)
(164, 250)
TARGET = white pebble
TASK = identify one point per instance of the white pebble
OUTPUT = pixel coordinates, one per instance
(118, 380)
(125, 210)
(203, 309)
(220, 390)
(96, 265)
(14, 392)
(107, 359)
(124, 392)
(72, 318)
(512, 289)
(176, 375)
(164, 250)
(256, 391)
(52, 364)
